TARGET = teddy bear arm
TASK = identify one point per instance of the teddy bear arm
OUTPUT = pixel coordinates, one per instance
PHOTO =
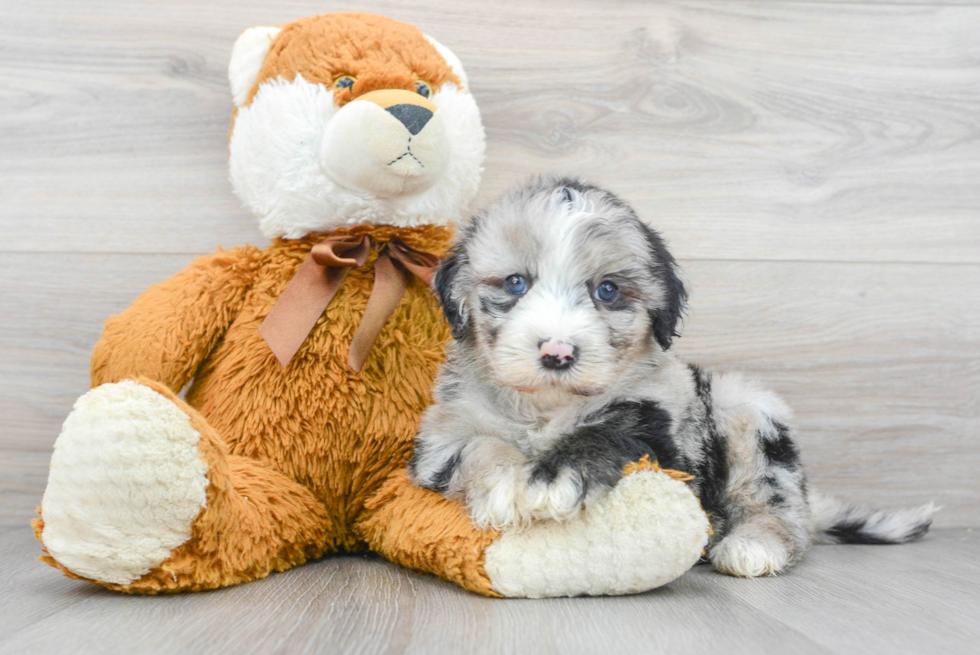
(644, 533)
(420, 529)
(172, 326)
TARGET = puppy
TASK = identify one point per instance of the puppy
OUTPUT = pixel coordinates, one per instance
(563, 306)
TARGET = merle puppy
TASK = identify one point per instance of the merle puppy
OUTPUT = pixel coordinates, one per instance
(563, 306)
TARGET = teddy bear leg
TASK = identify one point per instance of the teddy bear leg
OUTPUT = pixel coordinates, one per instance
(142, 497)
(645, 532)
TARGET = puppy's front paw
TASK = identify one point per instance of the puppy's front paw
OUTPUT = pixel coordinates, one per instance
(500, 501)
(560, 499)
(748, 556)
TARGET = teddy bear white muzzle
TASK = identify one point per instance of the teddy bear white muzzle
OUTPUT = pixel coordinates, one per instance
(386, 143)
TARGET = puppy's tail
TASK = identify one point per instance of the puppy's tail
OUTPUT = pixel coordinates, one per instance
(837, 522)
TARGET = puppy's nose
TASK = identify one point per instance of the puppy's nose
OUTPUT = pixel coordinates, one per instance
(557, 355)
(413, 117)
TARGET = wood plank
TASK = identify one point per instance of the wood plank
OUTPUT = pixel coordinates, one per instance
(366, 605)
(840, 599)
(778, 130)
(882, 372)
(929, 3)
(23, 477)
(833, 606)
(880, 361)
(29, 593)
(51, 313)
(830, 144)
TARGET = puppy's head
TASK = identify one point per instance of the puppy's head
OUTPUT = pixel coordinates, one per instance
(560, 286)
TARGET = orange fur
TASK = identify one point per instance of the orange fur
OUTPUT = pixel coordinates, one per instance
(379, 52)
(295, 455)
(256, 521)
(409, 526)
(646, 464)
(308, 459)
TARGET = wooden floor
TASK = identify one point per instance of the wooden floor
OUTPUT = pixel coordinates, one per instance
(918, 598)
(815, 166)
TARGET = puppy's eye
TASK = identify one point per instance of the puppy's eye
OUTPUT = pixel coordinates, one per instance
(423, 89)
(606, 292)
(344, 82)
(517, 285)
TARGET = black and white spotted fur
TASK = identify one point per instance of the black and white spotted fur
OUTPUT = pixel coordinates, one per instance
(516, 440)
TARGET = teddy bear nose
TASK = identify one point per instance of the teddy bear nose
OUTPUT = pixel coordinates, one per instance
(413, 117)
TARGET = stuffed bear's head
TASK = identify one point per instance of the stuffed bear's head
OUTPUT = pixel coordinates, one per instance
(351, 118)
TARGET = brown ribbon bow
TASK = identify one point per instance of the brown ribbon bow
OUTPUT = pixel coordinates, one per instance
(319, 278)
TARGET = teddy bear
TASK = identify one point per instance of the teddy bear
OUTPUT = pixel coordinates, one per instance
(305, 366)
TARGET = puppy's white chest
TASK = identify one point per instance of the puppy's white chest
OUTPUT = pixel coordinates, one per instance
(542, 435)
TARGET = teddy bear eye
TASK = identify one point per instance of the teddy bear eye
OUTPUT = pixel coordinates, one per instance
(344, 82)
(423, 89)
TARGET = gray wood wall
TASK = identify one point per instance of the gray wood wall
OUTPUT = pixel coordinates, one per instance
(814, 165)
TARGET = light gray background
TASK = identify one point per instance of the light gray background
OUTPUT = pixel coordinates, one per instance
(814, 165)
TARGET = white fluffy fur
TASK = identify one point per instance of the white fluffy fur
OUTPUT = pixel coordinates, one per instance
(126, 483)
(644, 533)
(625, 393)
(560, 501)
(301, 164)
(497, 498)
(367, 150)
(741, 402)
(554, 308)
(277, 163)
(890, 526)
(247, 56)
(502, 494)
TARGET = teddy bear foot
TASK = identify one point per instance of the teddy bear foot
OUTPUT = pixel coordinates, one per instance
(648, 530)
(126, 483)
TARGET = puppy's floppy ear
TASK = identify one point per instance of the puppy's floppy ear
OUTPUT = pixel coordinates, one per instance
(664, 320)
(447, 284)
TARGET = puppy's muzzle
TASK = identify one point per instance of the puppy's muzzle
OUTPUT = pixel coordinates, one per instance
(557, 355)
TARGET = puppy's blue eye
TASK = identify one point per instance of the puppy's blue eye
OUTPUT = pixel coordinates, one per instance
(517, 285)
(606, 292)
(423, 88)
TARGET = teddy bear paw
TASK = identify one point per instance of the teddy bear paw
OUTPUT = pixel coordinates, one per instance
(648, 530)
(125, 485)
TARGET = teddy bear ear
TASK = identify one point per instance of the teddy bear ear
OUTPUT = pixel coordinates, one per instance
(451, 59)
(246, 60)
